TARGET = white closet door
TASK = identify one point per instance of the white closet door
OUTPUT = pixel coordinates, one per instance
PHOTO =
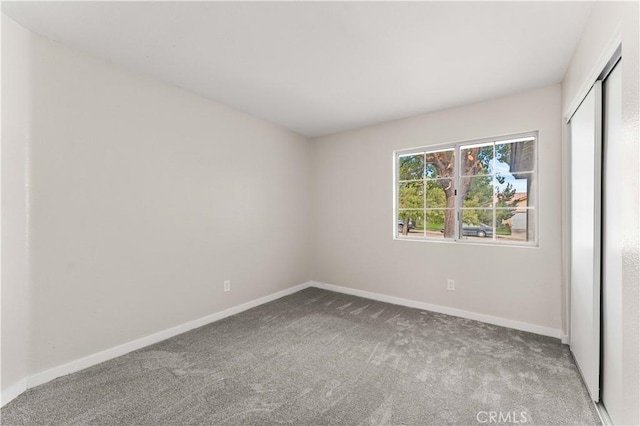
(586, 183)
(612, 236)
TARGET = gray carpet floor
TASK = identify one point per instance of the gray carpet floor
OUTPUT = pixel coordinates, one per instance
(318, 357)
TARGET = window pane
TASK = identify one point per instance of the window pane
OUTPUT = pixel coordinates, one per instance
(517, 224)
(477, 224)
(515, 191)
(435, 222)
(476, 159)
(440, 164)
(411, 167)
(516, 157)
(477, 191)
(415, 222)
(411, 195)
(436, 196)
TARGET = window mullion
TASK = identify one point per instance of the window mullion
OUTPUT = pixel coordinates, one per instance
(495, 195)
(424, 197)
(456, 201)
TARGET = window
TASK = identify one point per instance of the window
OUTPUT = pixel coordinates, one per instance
(478, 191)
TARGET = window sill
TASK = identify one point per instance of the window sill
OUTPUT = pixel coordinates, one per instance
(466, 242)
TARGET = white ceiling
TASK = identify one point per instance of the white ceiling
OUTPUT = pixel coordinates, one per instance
(320, 68)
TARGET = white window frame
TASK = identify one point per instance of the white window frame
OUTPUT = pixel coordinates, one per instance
(456, 146)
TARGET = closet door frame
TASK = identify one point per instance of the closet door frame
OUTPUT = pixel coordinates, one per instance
(608, 60)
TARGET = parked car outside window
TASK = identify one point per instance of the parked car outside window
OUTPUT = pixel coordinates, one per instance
(470, 230)
(401, 225)
(481, 230)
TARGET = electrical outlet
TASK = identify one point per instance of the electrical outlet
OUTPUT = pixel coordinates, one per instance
(451, 285)
(227, 285)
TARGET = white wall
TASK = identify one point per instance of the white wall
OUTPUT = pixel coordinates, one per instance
(16, 139)
(144, 199)
(608, 21)
(353, 216)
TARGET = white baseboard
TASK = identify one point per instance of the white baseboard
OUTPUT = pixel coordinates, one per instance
(93, 359)
(503, 322)
(107, 354)
(13, 391)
